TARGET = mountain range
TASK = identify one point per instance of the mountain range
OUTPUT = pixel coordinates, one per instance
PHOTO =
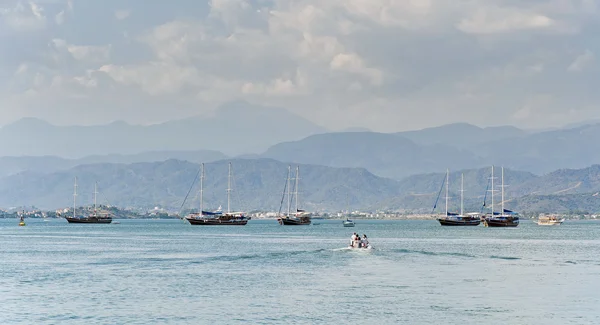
(258, 185)
(235, 128)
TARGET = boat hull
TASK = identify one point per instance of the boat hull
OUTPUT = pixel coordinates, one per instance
(349, 223)
(89, 220)
(216, 222)
(497, 223)
(449, 222)
(556, 223)
(294, 222)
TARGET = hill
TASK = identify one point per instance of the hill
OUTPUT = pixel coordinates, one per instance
(48, 164)
(258, 185)
(235, 128)
(455, 146)
(386, 155)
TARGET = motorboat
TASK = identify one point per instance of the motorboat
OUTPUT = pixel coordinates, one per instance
(550, 221)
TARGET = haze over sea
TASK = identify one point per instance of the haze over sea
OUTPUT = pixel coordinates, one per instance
(168, 272)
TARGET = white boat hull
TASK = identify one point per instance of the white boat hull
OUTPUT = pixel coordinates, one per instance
(550, 223)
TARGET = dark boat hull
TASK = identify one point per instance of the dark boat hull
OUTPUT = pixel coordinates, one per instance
(216, 222)
(497, 223)
(449, 222)
(89, 220)
(294, 222)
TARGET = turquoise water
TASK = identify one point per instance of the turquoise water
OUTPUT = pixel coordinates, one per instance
(168, 272)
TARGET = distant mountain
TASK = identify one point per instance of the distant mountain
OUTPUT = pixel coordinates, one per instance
(547, 151)
(258, 184)
(386, 155)
(462, 135)
(236, 128)
(47, 164)
(454, 146)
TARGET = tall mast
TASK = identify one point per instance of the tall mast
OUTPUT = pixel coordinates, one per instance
(462, 190)
(447, 178)
(95, 195)
(289, 198)
(296, 190)
(492, 190)
(74, 196)
(229, 188)
(502, 190)
(201, 190)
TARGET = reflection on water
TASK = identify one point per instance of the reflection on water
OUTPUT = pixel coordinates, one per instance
(168, 272)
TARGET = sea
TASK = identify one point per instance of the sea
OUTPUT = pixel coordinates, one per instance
(169, 272)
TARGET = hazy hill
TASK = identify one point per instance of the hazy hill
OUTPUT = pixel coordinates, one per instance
(547, 151)
(236, 128)
(462, 135)
(454, 146)
(258, 185)
(47, 164)
(386, 155)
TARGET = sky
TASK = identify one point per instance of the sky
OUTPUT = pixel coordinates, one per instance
(387, 65)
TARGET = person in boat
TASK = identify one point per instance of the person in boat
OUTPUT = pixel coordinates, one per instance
(364, 241)
(353, 239)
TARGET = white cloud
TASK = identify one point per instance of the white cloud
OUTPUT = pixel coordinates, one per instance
(59, 19)
(87, 53)
(122, 14)
(582, 61)
(24, 17)
(336, 61)
(490, 21)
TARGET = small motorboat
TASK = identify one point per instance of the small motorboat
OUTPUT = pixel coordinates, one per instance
(367, 248)
(550, 221)
(349, 223)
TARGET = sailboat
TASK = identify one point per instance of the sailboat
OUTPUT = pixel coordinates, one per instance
(506, 218)
(348, 222)
(217, 218)
(95, 217)
(300, 217)
(455, 219)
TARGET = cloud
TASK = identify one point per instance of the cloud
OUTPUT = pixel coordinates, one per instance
(24, 17)
(383, 64)
(60, 18)
(88, 53)
(122, 14)
(490, 21)
(582, 61)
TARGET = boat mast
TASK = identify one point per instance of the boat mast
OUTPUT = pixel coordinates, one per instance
(447, 177)
(502, 190)
(201, 190)
(462, 190)
(95, 195)
(74, 195)
(229, 188)
(289, 198)
(492, 191)
(296, 189)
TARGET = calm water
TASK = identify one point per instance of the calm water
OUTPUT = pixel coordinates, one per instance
(168, 272)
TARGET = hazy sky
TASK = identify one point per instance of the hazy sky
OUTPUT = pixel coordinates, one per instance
(383, 64)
